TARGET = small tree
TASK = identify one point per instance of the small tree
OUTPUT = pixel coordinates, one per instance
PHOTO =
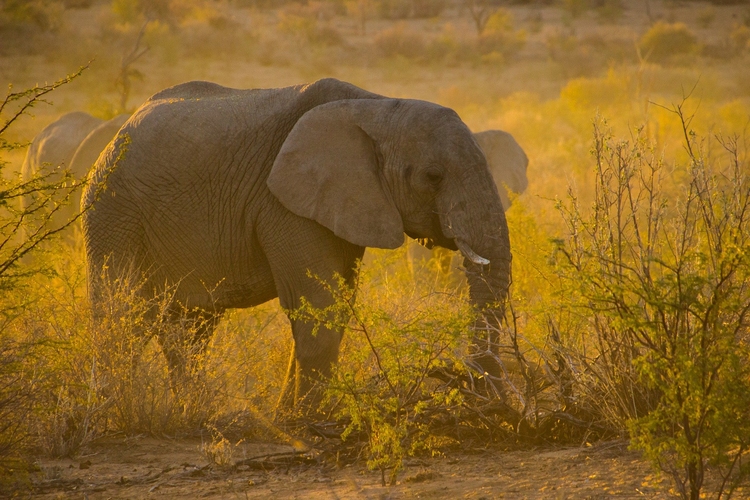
(128, 72)
(663, 274)
(480, 11)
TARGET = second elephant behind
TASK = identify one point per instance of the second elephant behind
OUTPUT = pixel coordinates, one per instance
(73, 141)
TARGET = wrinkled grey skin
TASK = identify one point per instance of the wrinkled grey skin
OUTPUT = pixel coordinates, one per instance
(508, 163)
(235, 195)
(72, 141)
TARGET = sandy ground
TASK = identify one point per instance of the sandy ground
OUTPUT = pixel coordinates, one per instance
(151, 468)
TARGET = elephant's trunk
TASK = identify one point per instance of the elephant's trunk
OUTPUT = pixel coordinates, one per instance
(481, 234)
(488, 289)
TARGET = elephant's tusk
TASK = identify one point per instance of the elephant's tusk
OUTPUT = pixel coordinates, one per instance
(469, 253)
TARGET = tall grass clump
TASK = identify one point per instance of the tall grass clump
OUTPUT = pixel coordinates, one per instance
(659, 267)
(103, 371)
(25, 228)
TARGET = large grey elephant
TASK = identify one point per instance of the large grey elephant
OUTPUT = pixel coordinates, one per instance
(508, 164)
(235, 197)
(74, 141)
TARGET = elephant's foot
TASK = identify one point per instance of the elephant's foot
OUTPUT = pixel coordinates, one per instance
(491, 382)
(301, 396)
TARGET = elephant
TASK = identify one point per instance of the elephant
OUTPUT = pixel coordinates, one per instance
(508, 163)
(234, 197)
(91, 147)
(74, 140)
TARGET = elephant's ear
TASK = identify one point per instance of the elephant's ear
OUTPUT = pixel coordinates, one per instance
(327, 170)
(505, 157)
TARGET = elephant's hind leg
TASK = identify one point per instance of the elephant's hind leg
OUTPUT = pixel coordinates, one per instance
(184, 340)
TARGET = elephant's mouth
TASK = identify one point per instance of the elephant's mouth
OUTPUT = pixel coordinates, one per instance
(436, 237)
(428, 243)
(460, 245)
(441, 241)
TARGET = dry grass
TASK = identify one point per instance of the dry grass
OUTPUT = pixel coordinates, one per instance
(541, 73)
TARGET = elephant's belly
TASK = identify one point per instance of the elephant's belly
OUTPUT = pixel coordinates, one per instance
(230, 290)
(249, 291)
(239, 296)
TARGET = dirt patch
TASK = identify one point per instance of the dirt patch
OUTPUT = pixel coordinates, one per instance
(146, 467)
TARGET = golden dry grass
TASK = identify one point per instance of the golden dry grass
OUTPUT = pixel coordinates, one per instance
(564, 70)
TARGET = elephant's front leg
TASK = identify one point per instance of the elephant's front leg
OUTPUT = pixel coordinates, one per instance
(307, 371)
(299, 260)
(316, 350)
(316, 346)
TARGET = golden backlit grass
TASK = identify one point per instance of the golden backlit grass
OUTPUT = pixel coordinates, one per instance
(555, 74)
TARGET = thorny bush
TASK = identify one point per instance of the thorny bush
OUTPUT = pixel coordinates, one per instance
(659, 272)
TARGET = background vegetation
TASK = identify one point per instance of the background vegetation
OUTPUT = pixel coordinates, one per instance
(629, 294)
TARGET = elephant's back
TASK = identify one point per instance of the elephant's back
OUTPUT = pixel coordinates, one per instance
(58, 141)
(212, 144)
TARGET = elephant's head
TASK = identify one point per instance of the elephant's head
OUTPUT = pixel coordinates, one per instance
(371, 170)
(507, 162)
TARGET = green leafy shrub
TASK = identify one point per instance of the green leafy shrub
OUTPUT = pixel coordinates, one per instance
(661, 271)
(397, 333)
(406, 384)
(665, 41)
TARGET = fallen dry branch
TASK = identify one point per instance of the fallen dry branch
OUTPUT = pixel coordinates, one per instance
(271, 461)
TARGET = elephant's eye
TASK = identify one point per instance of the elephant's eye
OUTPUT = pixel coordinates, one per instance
(434, 177)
